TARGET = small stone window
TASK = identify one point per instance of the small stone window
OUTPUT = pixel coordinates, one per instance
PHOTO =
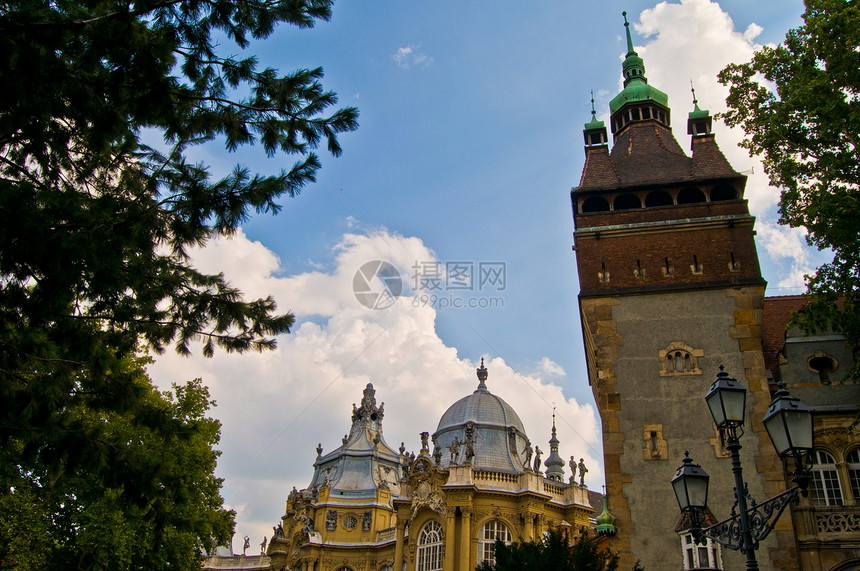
(655, 446)
(823, 364)
(680, 359)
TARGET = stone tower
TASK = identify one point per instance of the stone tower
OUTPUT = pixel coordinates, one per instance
(670, 289)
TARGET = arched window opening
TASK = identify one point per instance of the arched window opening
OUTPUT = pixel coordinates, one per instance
(723, 192)
(680, 359)
(824, 365)
(429, 554)
(492, 531)
(595, 204)
(658, 198)
(691, 195)
(825, 488)
(627, 201)
(853, 460)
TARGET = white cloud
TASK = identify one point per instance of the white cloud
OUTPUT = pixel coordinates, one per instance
(409, 56)
(276, 406)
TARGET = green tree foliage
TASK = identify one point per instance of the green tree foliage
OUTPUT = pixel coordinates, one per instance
(94, 234)
(553, 553)
(153, 503)
(799, 104)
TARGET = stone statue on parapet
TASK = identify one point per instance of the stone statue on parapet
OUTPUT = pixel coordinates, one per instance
(582, 471)
(454, 449)
(437, 452)
(424, 437)
(538, 452)
(319, 449)
(246, 545)
(263, 546)
(528, 452)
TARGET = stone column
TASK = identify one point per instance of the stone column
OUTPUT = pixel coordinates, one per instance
(528, 526)
(465, 539)
(450, 540)
(398, 545)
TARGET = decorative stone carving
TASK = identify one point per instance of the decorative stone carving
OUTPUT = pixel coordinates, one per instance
(366, 520)
(331, 520)
(837, 522)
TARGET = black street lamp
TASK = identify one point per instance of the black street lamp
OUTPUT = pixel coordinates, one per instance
(789, 424)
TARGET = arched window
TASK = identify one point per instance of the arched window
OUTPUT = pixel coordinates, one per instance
(595, 204)
(680, 359)
(658, 198)
(705, 556)
(429, 555)
(825, 487)
(627, 201)
(690, 195)
(492, 531)
(853, 459)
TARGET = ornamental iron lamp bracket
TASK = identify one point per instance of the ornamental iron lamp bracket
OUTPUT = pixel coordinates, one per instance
(762, 519)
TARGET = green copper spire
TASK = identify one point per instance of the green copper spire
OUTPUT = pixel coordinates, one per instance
(605, 521)
(636, 88)
(594, 123)
(697, 113)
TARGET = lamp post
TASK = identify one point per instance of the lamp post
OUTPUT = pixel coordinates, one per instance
(789, 425)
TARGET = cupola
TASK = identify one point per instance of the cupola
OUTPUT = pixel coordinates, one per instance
(638, 101)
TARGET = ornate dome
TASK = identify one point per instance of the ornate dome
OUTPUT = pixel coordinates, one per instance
(497, 433)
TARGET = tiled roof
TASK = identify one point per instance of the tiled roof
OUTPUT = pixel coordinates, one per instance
(646, 152)
(777, 313)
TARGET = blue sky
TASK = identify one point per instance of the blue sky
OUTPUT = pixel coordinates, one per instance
(470, 139)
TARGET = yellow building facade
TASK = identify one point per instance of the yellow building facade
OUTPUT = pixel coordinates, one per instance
(369, 507)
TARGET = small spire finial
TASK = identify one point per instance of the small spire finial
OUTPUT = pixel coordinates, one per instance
(593, 112)
(695, 101)
(482, 376)
(630, 50)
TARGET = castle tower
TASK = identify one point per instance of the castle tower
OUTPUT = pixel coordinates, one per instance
(670, 289)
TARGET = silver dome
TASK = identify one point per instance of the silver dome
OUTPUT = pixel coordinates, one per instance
(499, 437)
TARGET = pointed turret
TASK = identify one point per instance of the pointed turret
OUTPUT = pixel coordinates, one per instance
(699, 120)
(605, 521)
(595, 131)
(554, 464)
(638, 101)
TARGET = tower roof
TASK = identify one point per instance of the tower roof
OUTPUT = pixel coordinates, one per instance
(636, 88)
(364, 461)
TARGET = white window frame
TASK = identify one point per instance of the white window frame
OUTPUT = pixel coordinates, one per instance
(429, 555)
(853, 461)
(490, 531)
(699, 557)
